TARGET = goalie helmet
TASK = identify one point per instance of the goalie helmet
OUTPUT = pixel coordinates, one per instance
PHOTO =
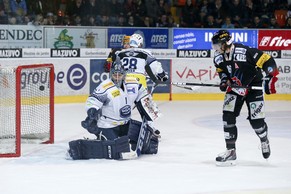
(136, 41)
(221, 41)
(117, 73)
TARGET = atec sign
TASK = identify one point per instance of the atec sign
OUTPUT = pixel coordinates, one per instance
(274, 40)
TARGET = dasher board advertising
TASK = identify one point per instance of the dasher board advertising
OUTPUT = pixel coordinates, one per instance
(153, 38)
(190, 39)
(21, 36)
(274, 40)
(68, 37)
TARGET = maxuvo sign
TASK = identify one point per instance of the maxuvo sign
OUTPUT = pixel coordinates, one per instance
(10, 53)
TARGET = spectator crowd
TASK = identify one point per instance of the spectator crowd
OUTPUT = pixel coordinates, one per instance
(149, 13)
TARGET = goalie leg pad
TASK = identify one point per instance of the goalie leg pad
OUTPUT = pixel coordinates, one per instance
(96, 149)
(133, 132)
(150, 141)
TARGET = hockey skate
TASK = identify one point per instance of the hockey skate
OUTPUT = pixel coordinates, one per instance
(266, 151)
(227, 158)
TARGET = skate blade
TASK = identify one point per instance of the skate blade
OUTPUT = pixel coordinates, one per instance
(226, 163)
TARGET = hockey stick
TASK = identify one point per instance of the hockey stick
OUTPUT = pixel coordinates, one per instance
(154, 87)
(141, 139)
(193, 88)
(185, 84)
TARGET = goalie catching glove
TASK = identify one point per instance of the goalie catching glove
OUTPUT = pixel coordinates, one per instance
(90, 123)
(269, 84)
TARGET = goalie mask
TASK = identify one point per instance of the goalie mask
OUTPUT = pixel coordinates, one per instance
(221, 41)
(117, 73)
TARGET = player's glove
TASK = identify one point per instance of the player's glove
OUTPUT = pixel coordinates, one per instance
(269, 84)
(223, 85)
(90, 123)
(162, 76)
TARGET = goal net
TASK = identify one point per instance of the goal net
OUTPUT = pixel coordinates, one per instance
(26, 107)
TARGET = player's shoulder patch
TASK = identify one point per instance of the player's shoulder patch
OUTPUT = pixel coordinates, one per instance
(115, 93)
(131, 80)
(106, 85)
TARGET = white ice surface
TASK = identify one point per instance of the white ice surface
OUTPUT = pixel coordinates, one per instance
(192, 136)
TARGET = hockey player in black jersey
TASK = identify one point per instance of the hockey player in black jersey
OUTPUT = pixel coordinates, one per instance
(111, 57)
(241, 65)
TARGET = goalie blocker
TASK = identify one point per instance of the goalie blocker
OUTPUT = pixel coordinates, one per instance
(141, 137)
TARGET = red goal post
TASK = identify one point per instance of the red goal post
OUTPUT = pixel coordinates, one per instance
(26, 107)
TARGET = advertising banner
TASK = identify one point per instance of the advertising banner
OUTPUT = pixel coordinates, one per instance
(21, 36)
(10, 53)
(274, 40)
(69, 37)
(196, 39)
(274, 54)
(153, 37)
(283, 85)
(95, 53)
(164, 53)
(71, 75)
(203, 71)
(286, 54)
(200, 70)
(194, 53)
(97, 74)
(36, 53)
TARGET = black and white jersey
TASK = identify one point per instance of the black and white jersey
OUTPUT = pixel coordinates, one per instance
(140, 61)
(243, 65)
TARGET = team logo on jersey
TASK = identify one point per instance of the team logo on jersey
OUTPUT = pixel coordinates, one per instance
(131, 54)
(131, 90)
(115, 93)
(125, 111)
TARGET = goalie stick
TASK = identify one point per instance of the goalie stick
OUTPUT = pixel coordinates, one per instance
(154, 87)
(187, 84)
(141, 139)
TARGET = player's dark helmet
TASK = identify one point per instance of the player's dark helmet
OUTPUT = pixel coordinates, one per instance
(117, 73)
(221, 36)
(221, 40)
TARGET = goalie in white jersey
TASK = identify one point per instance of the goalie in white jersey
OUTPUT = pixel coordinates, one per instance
(109, 110)
(140, 63)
